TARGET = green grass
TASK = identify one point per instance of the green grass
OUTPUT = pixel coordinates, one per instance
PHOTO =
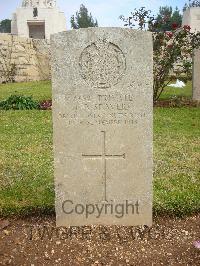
(42, 90)
(39, 90)
(170, 92)
(177, 160)
(26, 175)
(26, 159)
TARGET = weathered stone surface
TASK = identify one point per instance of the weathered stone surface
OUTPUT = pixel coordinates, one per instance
(102, 114)
(31, 56)
(196, 76)
(191, 17)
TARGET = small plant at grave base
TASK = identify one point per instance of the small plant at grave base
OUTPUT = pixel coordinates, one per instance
(169, 48)
(176, 101)
(46, 105)
(19, 102)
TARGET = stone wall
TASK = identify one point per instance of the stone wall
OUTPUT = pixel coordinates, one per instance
(23, 59)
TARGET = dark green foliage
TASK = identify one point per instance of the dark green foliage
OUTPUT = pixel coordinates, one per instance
(18, 102)
(176, 17)
(5, 26)
(166, 18)
(83, 19)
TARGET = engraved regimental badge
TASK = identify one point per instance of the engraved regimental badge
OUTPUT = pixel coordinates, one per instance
(102, 64)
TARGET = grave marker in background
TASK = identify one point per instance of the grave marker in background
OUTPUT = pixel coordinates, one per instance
(191, 17)
(196, 76)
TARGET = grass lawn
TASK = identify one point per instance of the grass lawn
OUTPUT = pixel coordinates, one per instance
(26, 157)
(40, 90)
(170, 92)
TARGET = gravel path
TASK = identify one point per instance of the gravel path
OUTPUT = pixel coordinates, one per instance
(36, 241)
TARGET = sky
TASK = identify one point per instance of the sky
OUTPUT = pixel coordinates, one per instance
(107, 12)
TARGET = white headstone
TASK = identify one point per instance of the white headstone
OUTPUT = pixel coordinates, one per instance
(102, 115)
(196, 76)
(191, 17)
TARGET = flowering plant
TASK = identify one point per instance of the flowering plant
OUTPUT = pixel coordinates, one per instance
(173, 50)
(46, 105)
(197, 244)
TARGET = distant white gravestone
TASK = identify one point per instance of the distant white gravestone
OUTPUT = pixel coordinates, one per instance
(102, 116)
(196, 76)
(191, 17)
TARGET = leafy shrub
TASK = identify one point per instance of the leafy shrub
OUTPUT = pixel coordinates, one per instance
(19, 102)
(169, 48)
(177, 101)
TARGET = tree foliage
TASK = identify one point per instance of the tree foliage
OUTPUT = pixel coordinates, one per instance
(167, 17)
(5, 26)
(83, 19)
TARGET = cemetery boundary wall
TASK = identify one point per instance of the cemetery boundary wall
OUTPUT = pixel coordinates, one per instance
(23, 59)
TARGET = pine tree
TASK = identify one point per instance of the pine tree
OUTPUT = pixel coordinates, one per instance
(5, 26)
(167, 17)
(83, 19)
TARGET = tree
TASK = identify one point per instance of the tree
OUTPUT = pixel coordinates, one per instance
(83, 19)
(167, 17)
(169, 47)
(176, 18)
(5, 26)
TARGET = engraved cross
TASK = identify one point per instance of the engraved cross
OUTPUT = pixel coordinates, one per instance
(104, 157)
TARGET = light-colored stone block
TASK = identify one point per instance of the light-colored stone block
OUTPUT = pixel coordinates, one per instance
(102, 115)
(49, 19)
(196, 76)
(33, 56)
(191, 17)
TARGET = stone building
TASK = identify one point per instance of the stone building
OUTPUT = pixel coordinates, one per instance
(191, 17)
(38, 19)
